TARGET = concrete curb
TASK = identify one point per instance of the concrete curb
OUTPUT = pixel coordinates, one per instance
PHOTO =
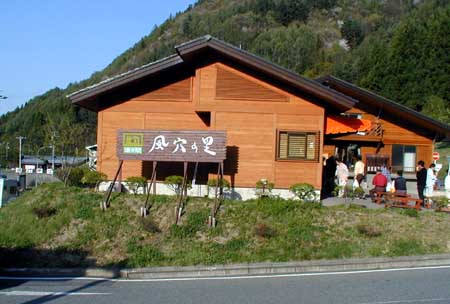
(237, 269)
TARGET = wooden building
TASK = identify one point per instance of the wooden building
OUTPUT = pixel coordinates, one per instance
(275, 120)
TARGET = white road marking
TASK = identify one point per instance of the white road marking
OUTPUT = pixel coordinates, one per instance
(293, 275)
(49, 293)
(410, 301)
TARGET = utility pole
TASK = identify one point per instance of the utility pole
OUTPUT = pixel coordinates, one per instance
(20, 138)
(6, 154)
(53, 150)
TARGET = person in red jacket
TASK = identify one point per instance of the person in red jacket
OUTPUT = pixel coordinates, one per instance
(380, 182)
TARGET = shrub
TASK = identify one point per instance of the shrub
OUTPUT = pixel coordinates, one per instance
(441, 202)
(264, 187)
(175, 182)
(93, 178)
(150, 225)
(136, 182)
(304, 191)
(71, 176)
(222, 182)
(264, 231)
(44, 211)
(369, 231)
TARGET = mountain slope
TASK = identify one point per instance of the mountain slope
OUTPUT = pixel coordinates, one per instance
(397, 48)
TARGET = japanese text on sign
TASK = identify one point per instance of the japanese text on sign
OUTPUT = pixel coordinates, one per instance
(192, 146)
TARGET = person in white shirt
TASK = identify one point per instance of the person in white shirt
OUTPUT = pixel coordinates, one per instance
(359, 170)
(431, 181)
(342, 176)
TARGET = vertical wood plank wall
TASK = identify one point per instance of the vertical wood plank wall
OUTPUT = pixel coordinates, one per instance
(251, 125)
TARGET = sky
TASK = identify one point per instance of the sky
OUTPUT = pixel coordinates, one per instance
(51, 43)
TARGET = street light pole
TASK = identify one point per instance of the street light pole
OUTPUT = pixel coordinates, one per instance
(20, 138)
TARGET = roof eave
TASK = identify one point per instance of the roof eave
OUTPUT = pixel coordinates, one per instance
(437, 126)
(125, 78)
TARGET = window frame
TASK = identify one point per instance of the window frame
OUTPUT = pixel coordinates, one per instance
(298, 159)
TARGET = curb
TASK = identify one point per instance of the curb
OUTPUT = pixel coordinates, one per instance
(237, 269)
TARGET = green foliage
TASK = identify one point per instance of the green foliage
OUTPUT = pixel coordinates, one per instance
(441, 202)
(404, 56)
(406, 247)
(141, 255)
(437, 108)
(411, 212)
(304, 192)
(196, 221)
(175, 183)
(264, 188)
(212, 183)
(93, 178)
(134, 183)
(74, 175)
(352, 32)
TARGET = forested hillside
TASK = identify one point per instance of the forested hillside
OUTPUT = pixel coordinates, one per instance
(397, 48)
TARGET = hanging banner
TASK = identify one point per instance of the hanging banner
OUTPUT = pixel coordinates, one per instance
(178, 146)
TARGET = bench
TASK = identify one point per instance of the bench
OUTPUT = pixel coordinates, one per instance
(403, 202)
(381, 197)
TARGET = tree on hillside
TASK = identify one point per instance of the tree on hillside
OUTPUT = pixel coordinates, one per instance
(351, 30)
(297, 47)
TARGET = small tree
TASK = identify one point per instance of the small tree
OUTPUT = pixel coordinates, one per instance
(304, 192)
(92, 178)
(212, 183)
(136, 182)
(264, 187)
(175, 183)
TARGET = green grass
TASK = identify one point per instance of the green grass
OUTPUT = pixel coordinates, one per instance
(80, 234)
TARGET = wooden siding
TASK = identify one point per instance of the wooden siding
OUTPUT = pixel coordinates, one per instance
(178, 91)
(231, 85)
(251, 127)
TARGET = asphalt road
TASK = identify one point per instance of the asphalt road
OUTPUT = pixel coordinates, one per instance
(381, 287)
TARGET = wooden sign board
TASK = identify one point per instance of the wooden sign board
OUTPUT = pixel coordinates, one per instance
(174, 146)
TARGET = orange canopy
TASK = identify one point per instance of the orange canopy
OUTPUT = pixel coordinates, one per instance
(342, 124)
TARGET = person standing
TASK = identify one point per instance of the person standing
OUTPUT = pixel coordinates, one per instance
(359, 170)
(342, 176)
(330, 174)
(421, 179)
(430, 182)
(380, 182)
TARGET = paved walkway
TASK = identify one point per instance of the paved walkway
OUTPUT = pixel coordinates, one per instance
(365, 203)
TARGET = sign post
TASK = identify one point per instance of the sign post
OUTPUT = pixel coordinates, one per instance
(175, 146)
(435, 157)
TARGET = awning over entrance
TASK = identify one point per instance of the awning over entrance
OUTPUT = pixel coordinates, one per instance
(342, 124)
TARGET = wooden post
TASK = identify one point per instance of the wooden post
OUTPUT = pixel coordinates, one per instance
(152, 183)
(108, 193)
(218, 195)
(183, 194)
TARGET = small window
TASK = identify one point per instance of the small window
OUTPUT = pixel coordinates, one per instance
(298, 145)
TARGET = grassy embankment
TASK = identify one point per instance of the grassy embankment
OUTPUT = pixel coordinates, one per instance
(73, 231)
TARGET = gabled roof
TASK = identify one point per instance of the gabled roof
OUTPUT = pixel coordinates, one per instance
(188, 54)
(433, 128)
